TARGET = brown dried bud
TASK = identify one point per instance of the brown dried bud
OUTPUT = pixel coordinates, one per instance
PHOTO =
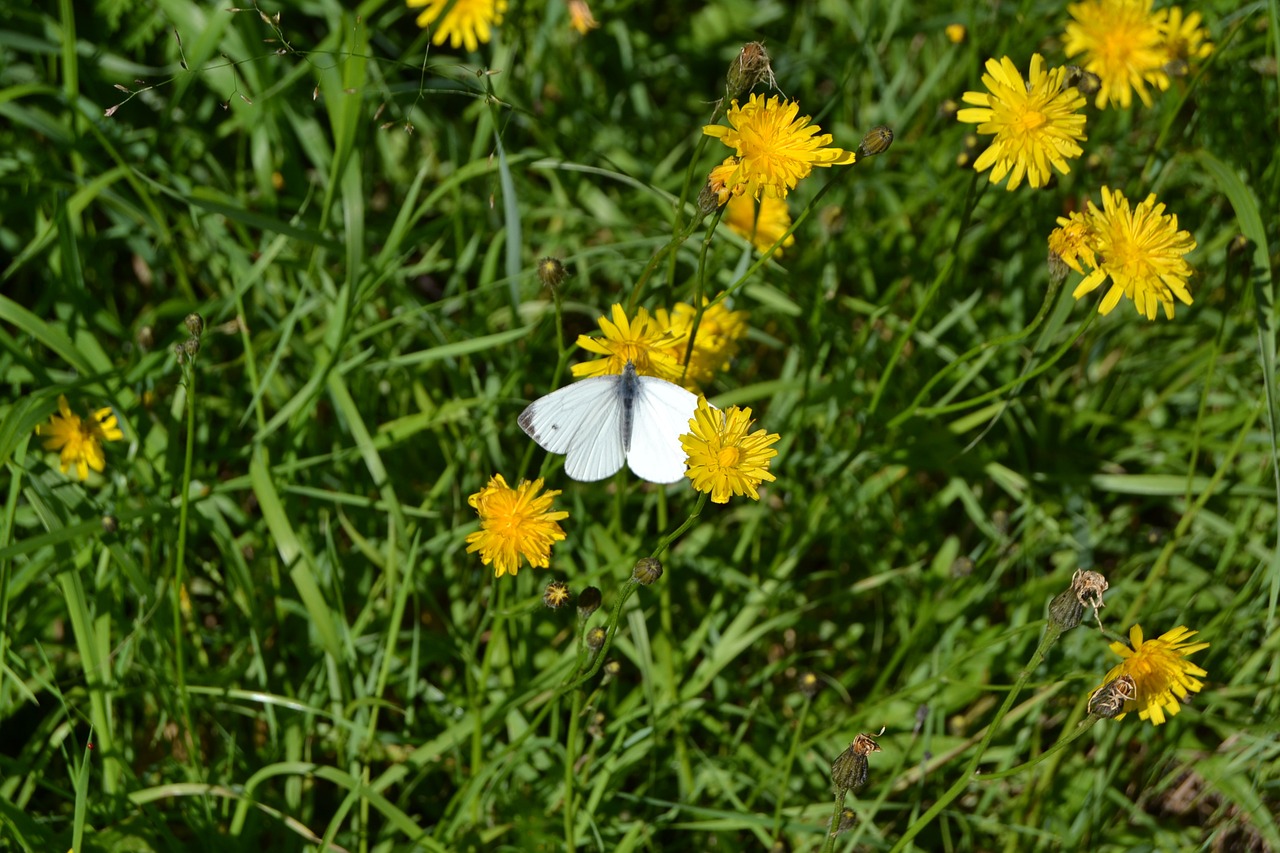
(195, 324)
(1089, 587)
(647, 570)
(749, 68)
(1108, 700)
(849, 771)
(1065, 611)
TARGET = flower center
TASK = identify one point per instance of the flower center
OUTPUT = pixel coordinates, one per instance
(728, 457)
(1030, 120)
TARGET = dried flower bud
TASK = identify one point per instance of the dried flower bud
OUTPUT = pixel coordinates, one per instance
(110, 524)
(708, 199)
(191, 346)
(961, 567)
(1089, 587)
(612, 668)
(589, 601)
(146, 337)
(1058, 268)
(195, 324)
(1108, 700)
(849, 771)
(1239, 245)
(552, 272)
(647, 570)
(948, 109)
(848, 818)
(749, 68)
(556, 595)
(808, 684)
(875, 142)
(595, 638)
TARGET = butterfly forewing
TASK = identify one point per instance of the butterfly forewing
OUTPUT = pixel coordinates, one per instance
(661, 414)
(583, 421)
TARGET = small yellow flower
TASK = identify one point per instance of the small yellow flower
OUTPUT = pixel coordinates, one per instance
(956, 33)
(79, 441)
(1123, 44)
(720, 180)
(580, 17)
(642, 340)
(716, 342)
(763, 230)
(1184, 38)
(723, 459)
(1036, 122)
(775, 149)
(1160, 672)
(1140, 250)
(467, 22)
(514, 523)
(1071, 241)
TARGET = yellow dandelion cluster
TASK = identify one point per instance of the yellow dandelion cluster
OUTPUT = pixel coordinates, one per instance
(1140, 249)
(1131, 47)
(1036, 122)
(79, 441)
(774, 147)
(657, 343)
(515, 524)
(1161, 675)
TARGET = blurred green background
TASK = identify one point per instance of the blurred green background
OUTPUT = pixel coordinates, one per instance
(303, 654)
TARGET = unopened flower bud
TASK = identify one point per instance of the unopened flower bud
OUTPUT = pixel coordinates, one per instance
(808, 684)
(1058, 268)
(191, 346)
(849, 771)
(595, 638)
(552, 272)
(589, 601)
(1065, 611)
(647, 570)
(110, 524)
(875, 142)
(1085, 82)
(195, 324)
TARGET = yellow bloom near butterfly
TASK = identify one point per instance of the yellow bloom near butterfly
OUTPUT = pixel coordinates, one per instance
(467, 23)
(515, 524)
(1162, 676)
(724, 458)
(79, 441)
(1036, 122)
(641, 340)
(716, 342)
(775, 146)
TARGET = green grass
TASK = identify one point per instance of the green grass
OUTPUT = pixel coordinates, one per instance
(281, 641)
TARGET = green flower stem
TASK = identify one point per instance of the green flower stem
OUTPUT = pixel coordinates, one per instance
(179, 560)
(699, 291)
(570, 760)
(677, 240)
(788, 762)
(1051, 634)
(829, 844)
(481, 689)
(1062, 744)
(944, 275)
(1004, 340)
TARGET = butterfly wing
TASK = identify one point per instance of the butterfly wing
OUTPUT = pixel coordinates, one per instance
(660, 415)
(582, 421)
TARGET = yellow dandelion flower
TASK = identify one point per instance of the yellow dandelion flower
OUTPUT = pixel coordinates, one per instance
(716, 342)
(1141, 251)
(956, 33)
(763, 230)
(1122, 43)
(78, 441)
(1161, 674)
(723, 459)
(775, 149)
(1184, 38)
(514, 523)
(466, 22)
(1036, 122)
(580, 17)
(642, 340)
(1071, 241)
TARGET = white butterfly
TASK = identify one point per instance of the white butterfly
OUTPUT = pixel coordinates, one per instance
(601, 422)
